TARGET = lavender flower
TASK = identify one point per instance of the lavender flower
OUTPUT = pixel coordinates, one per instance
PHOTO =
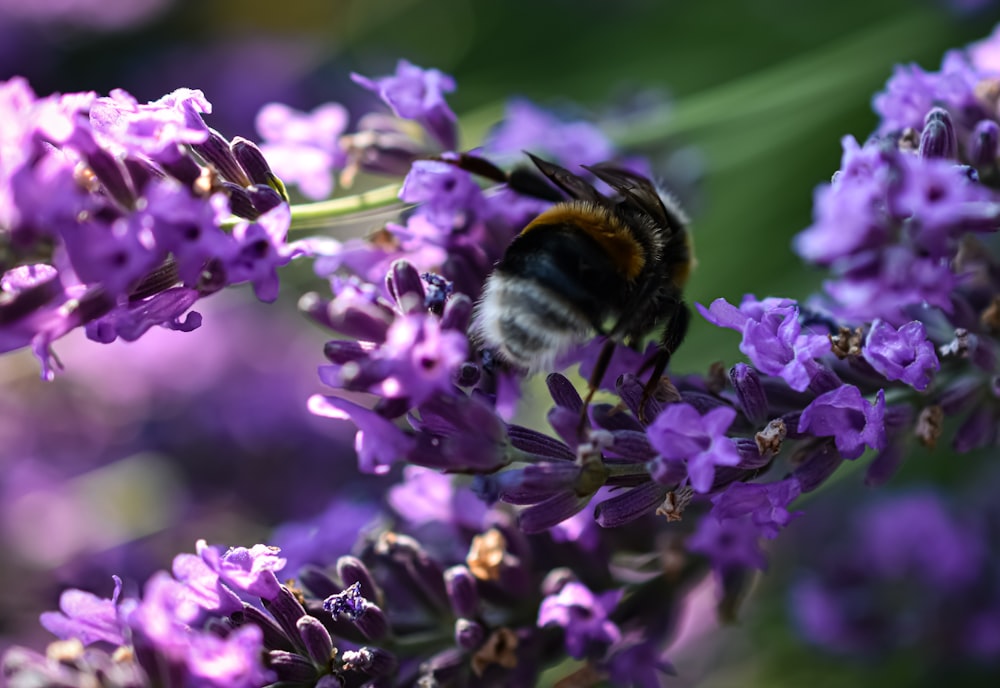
(525, 126)
(143, 191)
(418, 94)
(583, 617)
(904, 354)
(772, 337)
(681, 433)
(303, 148)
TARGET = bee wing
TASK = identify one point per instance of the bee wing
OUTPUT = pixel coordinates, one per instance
(636, 189)
(575, 186)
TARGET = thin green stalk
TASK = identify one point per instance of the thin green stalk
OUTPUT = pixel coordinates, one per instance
(324, 213)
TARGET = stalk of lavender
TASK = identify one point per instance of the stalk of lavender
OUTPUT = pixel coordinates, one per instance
(902, 341)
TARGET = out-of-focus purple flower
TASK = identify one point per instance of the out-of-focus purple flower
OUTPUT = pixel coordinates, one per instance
(379, 442)
(680, 433)
(901, 569)
(303, 148)
(87, 617)
(584, 617)
(126, 127)
(448, 195)
(772, 337)
(844, 414)
(887, 284)
(984, 144)
(526, 126)
(427, 496)
(731, 544)
(911, 92)
(904, 354)
(164, 615)
(230, 662)
(204, 584)
(418, 94)
(321, 540)
(985, 54)
(106, 15)
(914, 535)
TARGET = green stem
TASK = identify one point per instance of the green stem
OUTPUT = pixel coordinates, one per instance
(324, 213)
(618, 470)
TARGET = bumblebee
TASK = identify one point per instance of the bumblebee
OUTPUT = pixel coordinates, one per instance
(590, 264)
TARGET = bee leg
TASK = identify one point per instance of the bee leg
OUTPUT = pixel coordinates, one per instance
(600, 367)
(673, 334)
(660, 361)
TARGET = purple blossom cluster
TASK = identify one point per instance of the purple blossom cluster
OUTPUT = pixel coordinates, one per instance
(468, 592)
(583, 537)
(112, 216)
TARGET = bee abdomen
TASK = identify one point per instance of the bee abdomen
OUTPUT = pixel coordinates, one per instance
(528, 324)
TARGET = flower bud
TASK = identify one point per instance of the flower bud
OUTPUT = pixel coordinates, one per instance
(938, 139)
(286, 610)
(403, 282)
(216, 152)
(469, 635)
(374, 662)
(274, 637)
(291, 667)
(630, 505)
(462, 591)
(984, 143)
(816, 462)
(352, 570)
(316, 640)
(753, 399)
(251, 160)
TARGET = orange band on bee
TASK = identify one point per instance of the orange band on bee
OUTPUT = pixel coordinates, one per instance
(614, 237)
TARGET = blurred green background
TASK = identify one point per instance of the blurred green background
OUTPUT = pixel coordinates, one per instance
(758, 93)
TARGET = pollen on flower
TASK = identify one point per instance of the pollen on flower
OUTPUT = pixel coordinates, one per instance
(500, 648)
(929, 425)
(486, 555)
(674, 504)
(990, 317)
(123, 654)
(770, 438)
(65, 650)
(846, 342)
